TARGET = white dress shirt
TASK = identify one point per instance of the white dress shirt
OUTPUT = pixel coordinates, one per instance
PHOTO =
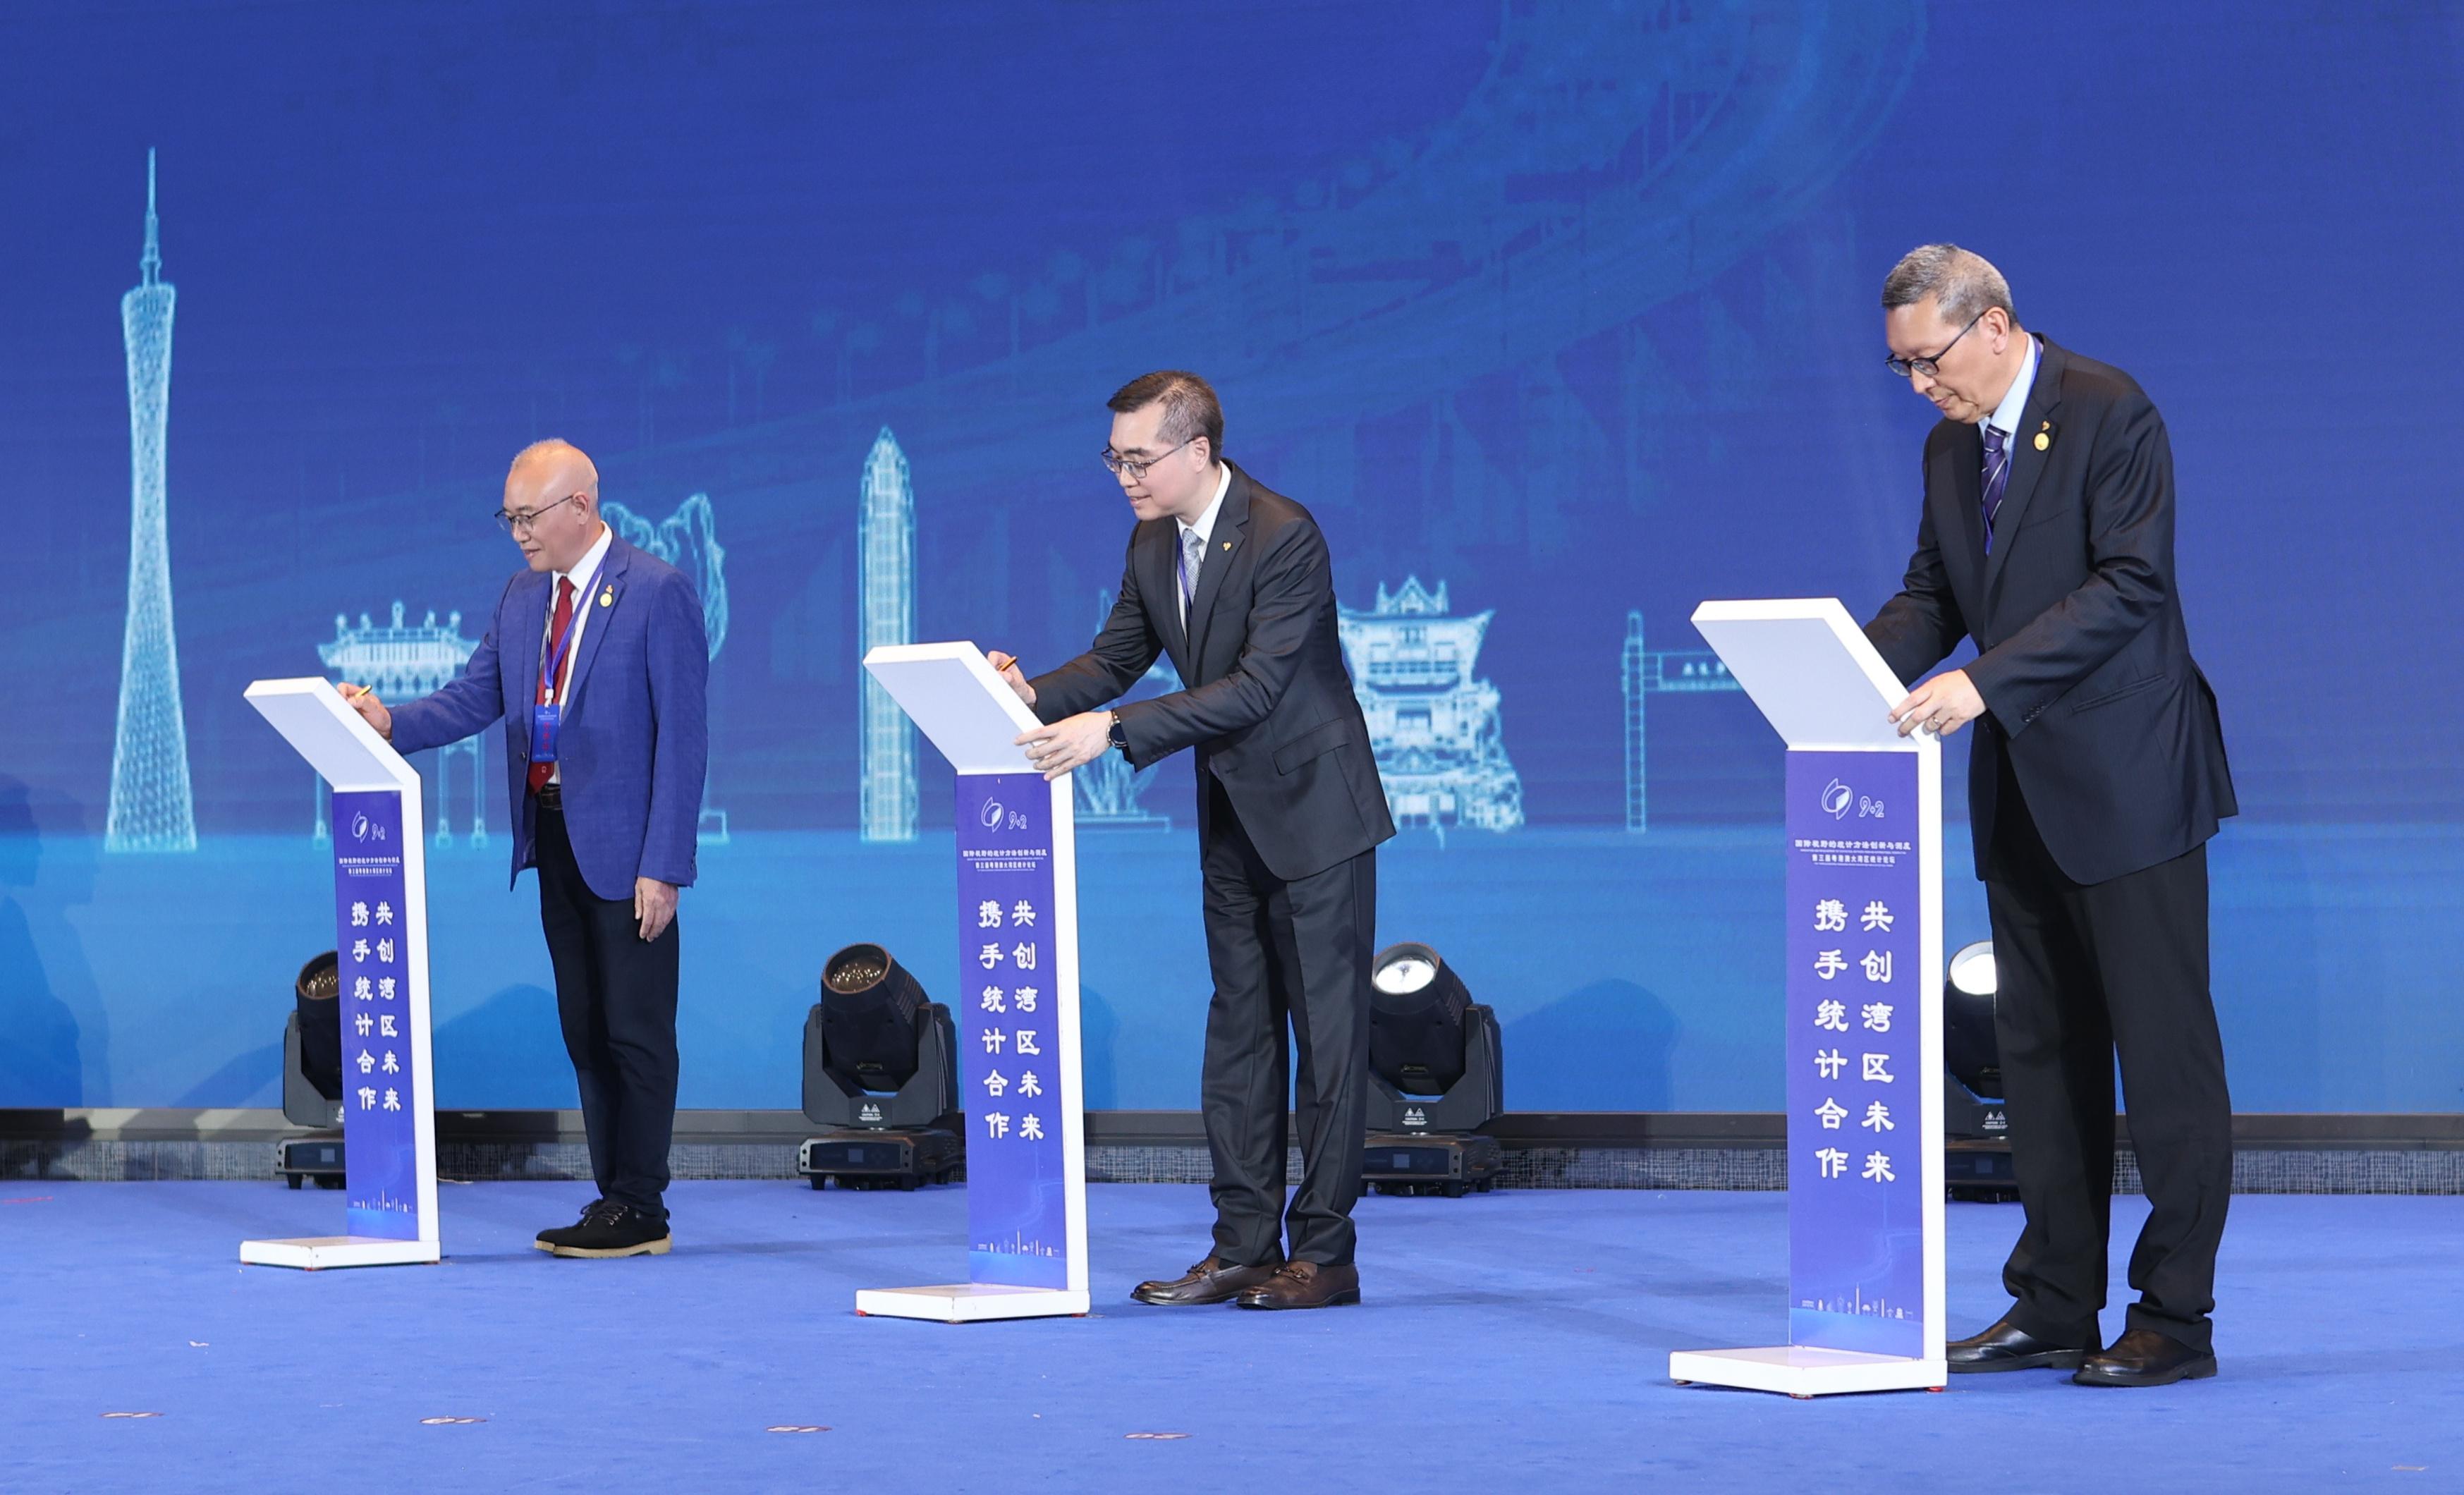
(584, 570)
(1204, 529)
(2015, 402)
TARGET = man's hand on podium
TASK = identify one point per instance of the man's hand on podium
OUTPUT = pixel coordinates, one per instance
(655, 904)
(1007, 665)
(1068, 743)
(364, 700)
(1942, 705)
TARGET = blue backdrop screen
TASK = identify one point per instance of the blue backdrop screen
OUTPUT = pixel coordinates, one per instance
(1560, 315)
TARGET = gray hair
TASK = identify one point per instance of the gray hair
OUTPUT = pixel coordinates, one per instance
(1964, 285)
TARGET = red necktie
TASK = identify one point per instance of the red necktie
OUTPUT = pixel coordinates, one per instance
(547, 689)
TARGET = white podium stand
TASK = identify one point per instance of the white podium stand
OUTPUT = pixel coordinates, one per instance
(1864, 1010)
(380, 912)
(1017, 1001)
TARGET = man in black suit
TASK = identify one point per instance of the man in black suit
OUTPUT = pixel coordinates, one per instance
(1232, 581)
(2096, 777)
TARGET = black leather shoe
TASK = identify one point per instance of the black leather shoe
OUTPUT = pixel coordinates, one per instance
(607, 1228)
(1305, 1284)
(2007, 1347)
(2145, 1357)
(1214, 1280)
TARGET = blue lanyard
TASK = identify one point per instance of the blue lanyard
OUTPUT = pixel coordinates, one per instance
(551, 678)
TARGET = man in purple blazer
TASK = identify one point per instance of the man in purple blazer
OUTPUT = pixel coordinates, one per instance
(597, 664)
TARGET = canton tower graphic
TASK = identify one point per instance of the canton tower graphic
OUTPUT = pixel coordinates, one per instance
(886, 612)
(150, 804)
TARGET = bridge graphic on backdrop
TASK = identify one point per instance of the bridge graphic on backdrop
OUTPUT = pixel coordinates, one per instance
(151, 805)
(1610, 159)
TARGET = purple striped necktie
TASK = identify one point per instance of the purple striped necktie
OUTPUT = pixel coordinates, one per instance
(1997, 476)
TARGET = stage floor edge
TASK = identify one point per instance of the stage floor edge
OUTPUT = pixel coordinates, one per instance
(968, 1303)
(1806, 1370)
(316, 1253)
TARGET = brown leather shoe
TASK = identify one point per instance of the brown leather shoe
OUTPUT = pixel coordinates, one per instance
(1214, 1280)
(1305, 1284)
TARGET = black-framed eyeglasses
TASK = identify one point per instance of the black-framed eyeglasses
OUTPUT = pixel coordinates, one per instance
(1136, 466)
(515, 523)
(1928, 367)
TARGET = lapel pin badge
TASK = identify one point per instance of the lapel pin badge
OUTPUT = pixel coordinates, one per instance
(607, 594)
(2045, 437)
(1227, 544)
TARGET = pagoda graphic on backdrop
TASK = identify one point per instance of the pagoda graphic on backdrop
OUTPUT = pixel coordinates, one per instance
(152, 809)
(884, 614)
(1441, 746)
(402, 662)
(688, 540)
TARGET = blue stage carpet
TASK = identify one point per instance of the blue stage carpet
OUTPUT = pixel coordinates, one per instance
(1515, 1342)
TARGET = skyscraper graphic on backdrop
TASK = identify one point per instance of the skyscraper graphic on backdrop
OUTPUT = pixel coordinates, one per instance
(150, 805)
(884, 614)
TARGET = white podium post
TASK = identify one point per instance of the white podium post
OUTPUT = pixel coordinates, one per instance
(1018, 997)
(1864, 1010)
(381, 918)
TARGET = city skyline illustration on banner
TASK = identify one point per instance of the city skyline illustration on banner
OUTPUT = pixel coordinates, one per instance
(1558, 316)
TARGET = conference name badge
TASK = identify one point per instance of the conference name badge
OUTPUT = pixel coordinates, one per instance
(545, 717)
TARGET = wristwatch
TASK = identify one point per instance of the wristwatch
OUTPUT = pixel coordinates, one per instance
(1118, 735)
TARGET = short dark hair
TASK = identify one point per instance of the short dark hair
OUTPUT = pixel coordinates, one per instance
(1190, 408)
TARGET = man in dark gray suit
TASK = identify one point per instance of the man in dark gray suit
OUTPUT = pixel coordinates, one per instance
(2098, 775)
(1232, 581)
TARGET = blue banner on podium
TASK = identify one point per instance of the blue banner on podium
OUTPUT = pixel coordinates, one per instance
(1855, 1082)
(381, 1151)
(1008, 1007)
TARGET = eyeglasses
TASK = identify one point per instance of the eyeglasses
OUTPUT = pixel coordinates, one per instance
(516, 523)
(1928, 367)
(1138, 467)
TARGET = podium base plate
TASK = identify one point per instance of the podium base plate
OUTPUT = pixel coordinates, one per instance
(1806, 1370)
(969, 1302)
(315, 1253)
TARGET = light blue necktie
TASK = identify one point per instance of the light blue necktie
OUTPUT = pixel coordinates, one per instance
(1193, 556)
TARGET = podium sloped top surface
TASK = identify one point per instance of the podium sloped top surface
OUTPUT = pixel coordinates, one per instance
(956, 699)
(322, 728)
(1809, 669)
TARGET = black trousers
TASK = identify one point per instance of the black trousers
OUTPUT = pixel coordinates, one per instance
(616, 998)
(1283, 951)
(2084, 973)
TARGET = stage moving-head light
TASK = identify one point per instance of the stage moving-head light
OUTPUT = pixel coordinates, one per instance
(1975, 1125)
(1416, 1030)
(870, 1035)
(1436, 1075)
(1970, 1051)
(312, 1075)
(880, 1067)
